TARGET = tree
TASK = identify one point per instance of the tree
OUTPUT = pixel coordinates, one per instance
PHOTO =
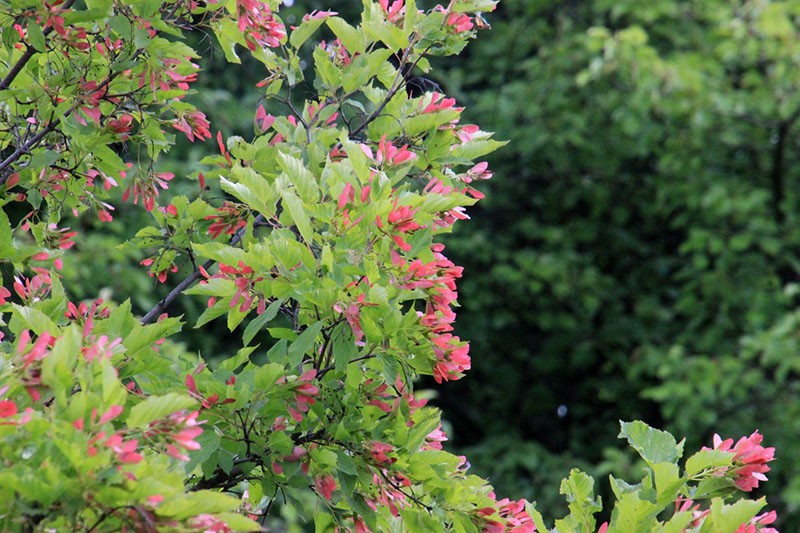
(319, 237)
(643, 238)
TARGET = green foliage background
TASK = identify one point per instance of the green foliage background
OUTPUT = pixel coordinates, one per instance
(637, 255)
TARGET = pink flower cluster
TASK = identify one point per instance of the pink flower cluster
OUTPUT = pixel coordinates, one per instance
(146, 185)
(754, 525)
(9, 412)
(259, 25)
(229, 219)
(438, 279)
(244, 279)
(304, 393)
(30, 354)
(177, 433)
(750, 459)
(194, 124)
(506, 516)
(400, 220)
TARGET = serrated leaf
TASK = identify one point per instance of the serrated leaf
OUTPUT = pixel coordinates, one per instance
(327, 74)
(653, 445)
(724, 518)
(667, 482)
(303, 180)
(156, 407)
(209, 443)
(58, 365)
(578, 489)
(252, 189)
(143, 337)
(34, 320)
(221, 253)
(228, 36)
(633, 514)
(707, 459)
(239, 522)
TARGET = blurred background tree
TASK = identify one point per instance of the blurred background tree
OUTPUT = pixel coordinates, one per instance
(638, 254)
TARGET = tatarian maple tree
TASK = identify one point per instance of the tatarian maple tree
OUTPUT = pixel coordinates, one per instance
(319, 233)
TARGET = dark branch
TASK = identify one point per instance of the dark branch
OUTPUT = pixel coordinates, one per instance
(190, 280)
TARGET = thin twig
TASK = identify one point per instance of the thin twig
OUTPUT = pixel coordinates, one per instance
(29, 51)
(191, 279)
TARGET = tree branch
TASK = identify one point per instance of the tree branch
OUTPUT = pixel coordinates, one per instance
(29, 51)
(190, 280)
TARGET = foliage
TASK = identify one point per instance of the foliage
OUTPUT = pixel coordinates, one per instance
(640, 258)
(319, 234)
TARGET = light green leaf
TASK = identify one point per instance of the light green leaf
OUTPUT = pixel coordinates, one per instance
(304, 31)
(633, 514)
(156, 407)
(579, 491)
(33, 319)
(707, 459)
(303, 180)
(297, 211)
(351, 38)
(653, 445)
(474, 149)
(725, 518)
(7, 249)
(195, 503)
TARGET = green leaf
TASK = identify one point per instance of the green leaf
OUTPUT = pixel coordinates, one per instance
(328, 75)
(303, 180)
(209, 442)
(707, 459)
(579, 491)
(252, 189)
(258, 323)
(195, 503)
(304, 31)
(143, 337)
(633, 514)
(34, 320)
(221, 253)
(36, 37)
(725, 518)
(304, 343)
(211, 313)
(7, 249)
(57, 367)
(297, 211)
(350, 37)
(471, 6)
(242, 356)
(478, 148)
(653, 445)
(228, 35)
(238, 522)
(156, 407)
(394, 38)
(667, 482)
